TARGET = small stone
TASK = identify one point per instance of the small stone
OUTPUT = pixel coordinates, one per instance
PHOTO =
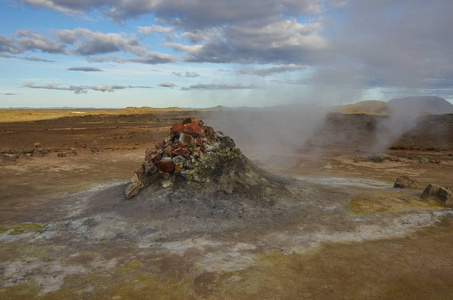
(186, 139)
(178, 168)
(135, 178)
(61, 154)
(209, 135)
(151, 168)
(208, 147)
(168, 149)
(167, 183)
(227, 142)
(37, 145)
(170, 137)
(182, 151)
(179, 160)
(132, 190)
(423, 160)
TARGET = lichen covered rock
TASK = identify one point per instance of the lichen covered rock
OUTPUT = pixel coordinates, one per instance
(440, 193)
(404, 182)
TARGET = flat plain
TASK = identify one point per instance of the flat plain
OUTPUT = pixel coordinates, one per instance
(354, 236)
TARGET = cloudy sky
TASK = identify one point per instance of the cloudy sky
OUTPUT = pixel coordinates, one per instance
(202, 53)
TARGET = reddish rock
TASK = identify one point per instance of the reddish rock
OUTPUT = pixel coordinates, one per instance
(183, 151)
(198, 141)
(177, 128)
(193, 129)
(170, 137)
(166, 165)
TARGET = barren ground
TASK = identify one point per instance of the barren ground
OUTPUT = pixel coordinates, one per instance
(356, 236)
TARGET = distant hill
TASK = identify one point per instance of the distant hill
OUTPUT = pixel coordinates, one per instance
(369, 107)
(421, 105)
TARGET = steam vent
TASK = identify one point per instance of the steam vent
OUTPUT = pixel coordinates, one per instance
(194, 160)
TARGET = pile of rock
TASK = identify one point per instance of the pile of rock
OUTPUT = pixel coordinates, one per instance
(192, 152)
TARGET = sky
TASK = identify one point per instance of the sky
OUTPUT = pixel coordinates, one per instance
(204, 53)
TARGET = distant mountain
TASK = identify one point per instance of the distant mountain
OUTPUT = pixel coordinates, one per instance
(421, 105)
(369, 107)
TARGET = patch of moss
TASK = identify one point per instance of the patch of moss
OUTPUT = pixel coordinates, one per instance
(388, 202)
(128, 267)
(22, 291)
(21, 228)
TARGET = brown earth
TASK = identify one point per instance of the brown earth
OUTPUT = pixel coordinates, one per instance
(357, 238)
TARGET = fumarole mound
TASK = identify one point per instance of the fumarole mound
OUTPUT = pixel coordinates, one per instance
(195, 160)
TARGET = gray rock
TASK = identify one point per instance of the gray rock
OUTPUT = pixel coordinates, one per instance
(179, 160)
(167, 184)
(132, 190)
(150, 170)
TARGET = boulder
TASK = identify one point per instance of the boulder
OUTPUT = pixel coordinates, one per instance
(404, 182)
(440, 193)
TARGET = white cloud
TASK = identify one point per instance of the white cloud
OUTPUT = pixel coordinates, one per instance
(148, 30)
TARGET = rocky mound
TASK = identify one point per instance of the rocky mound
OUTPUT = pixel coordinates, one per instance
(195, 160)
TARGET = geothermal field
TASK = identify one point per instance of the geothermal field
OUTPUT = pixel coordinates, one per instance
(291, 202)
